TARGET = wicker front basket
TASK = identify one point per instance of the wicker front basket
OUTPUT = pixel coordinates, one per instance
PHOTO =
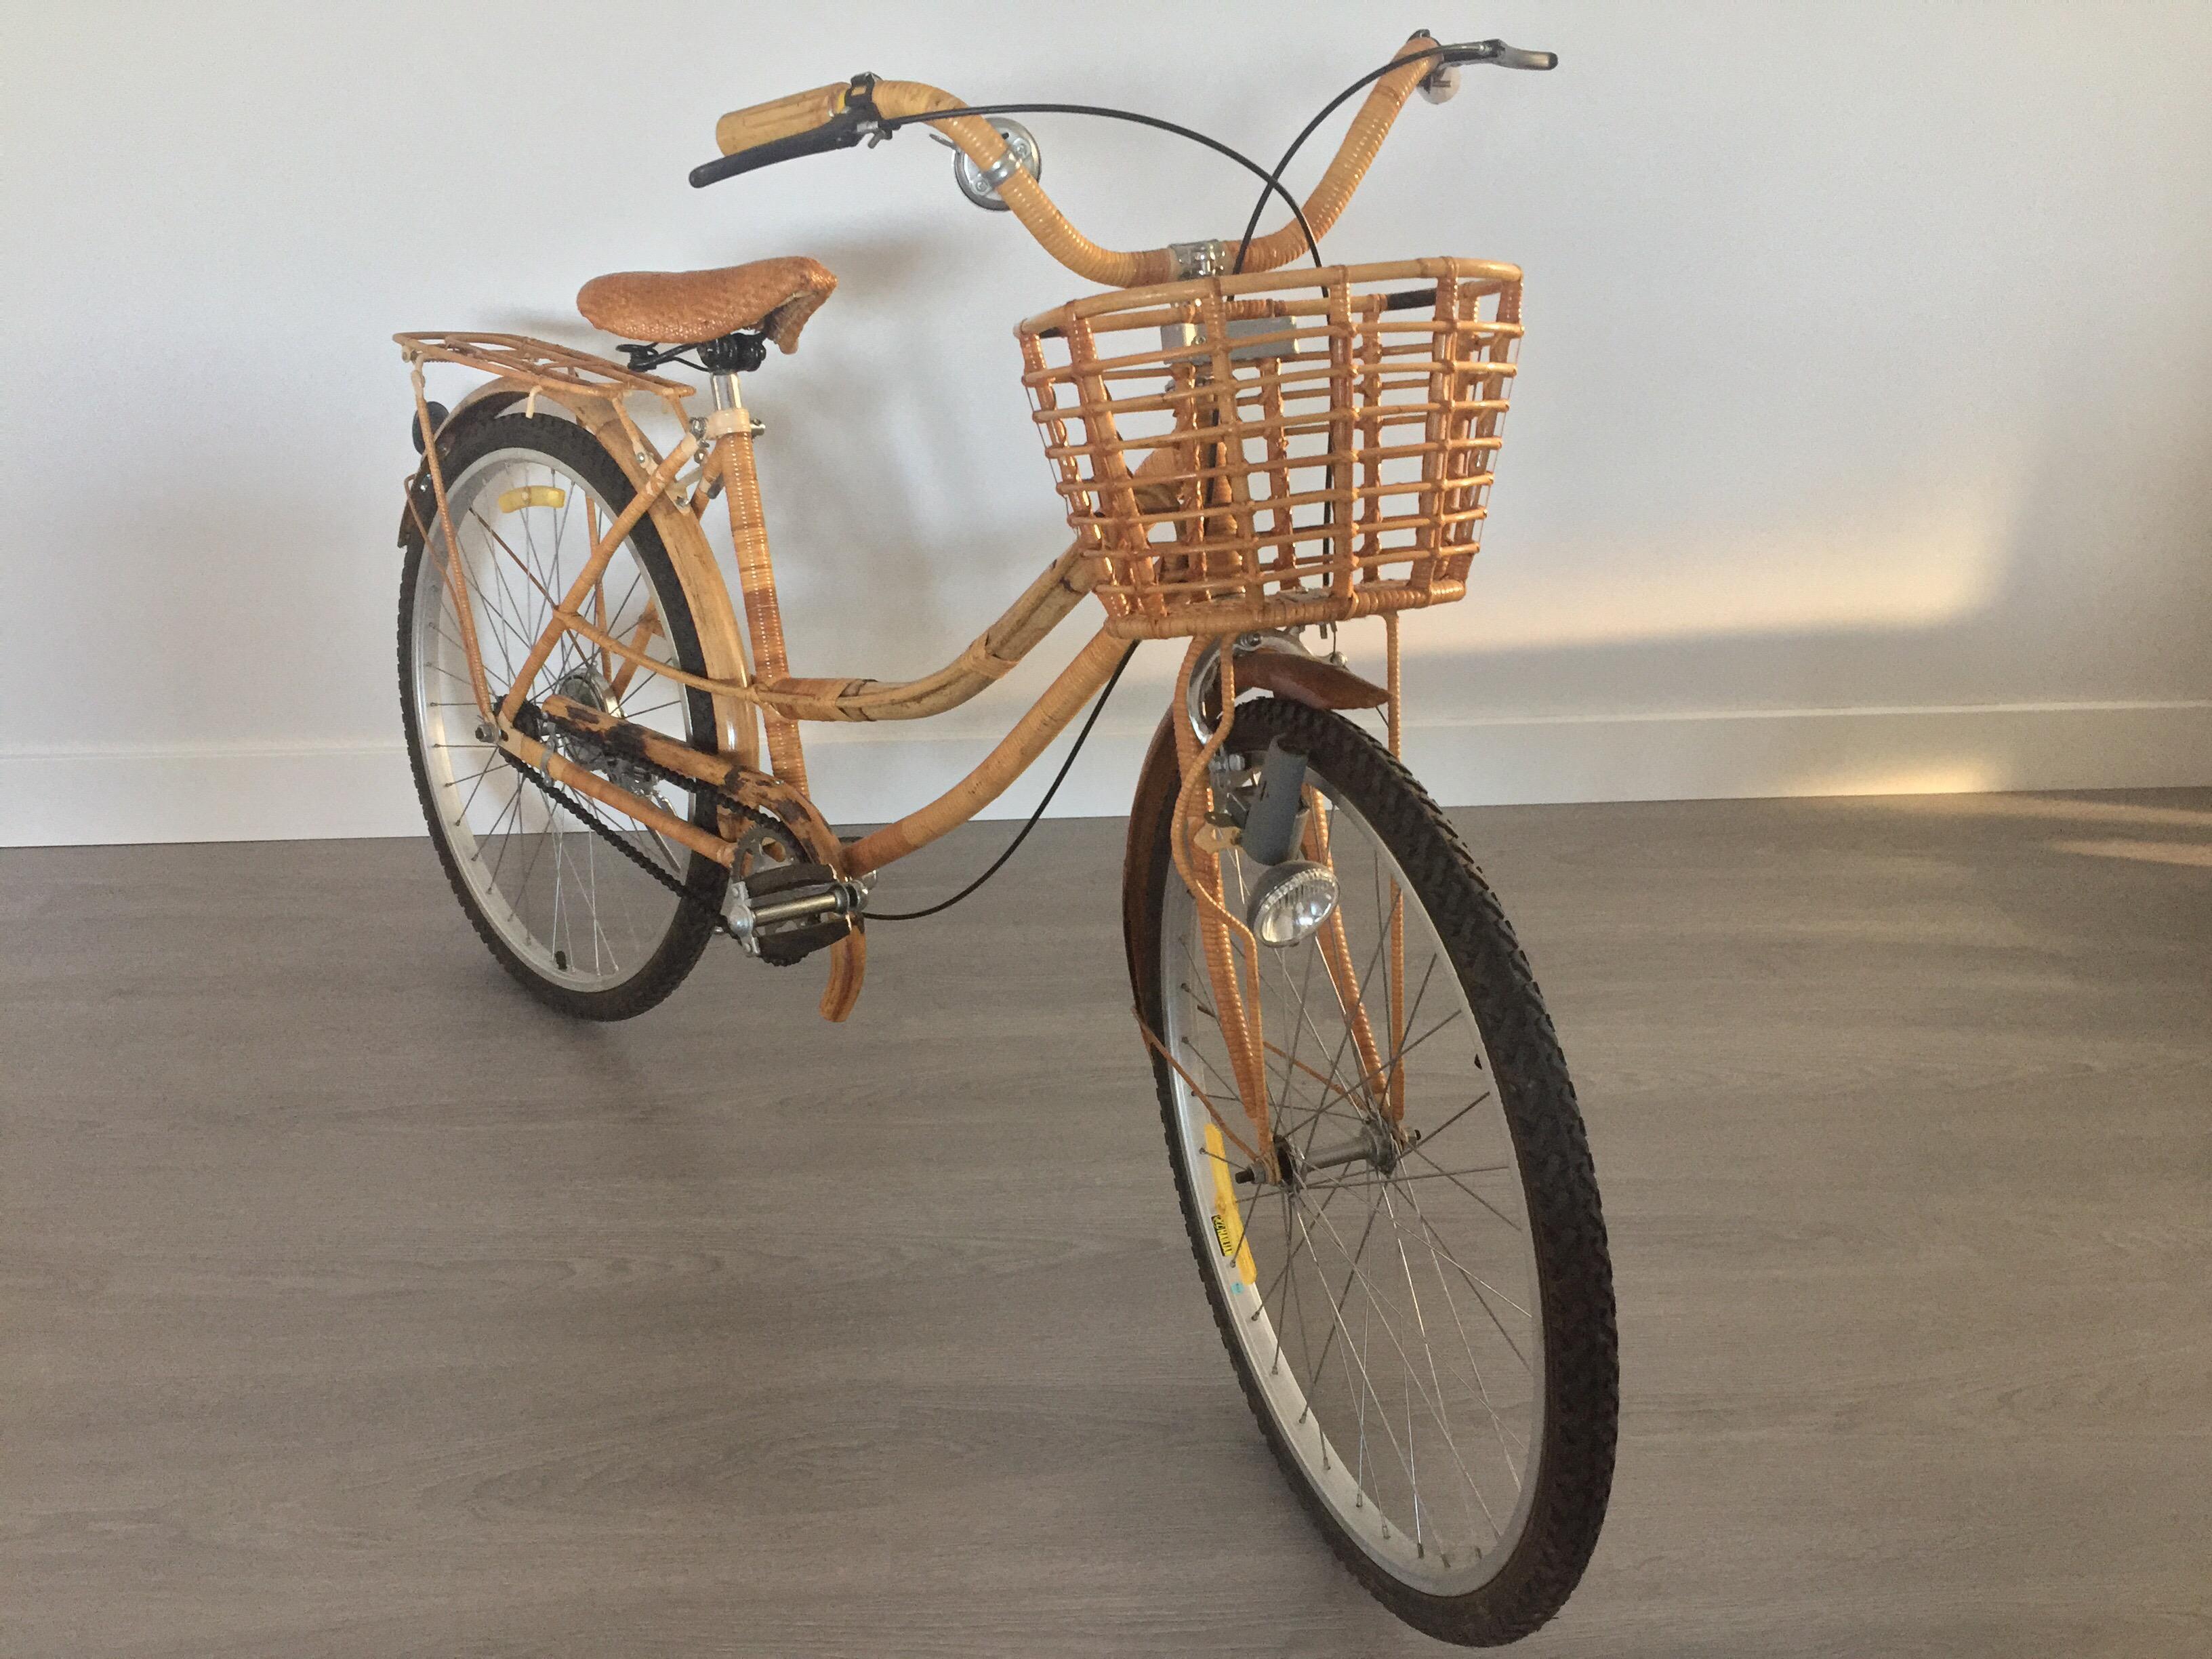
(1298, 447)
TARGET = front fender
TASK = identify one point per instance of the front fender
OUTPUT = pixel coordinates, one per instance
(1158, 785)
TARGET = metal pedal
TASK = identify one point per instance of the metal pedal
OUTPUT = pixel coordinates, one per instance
(785, 913)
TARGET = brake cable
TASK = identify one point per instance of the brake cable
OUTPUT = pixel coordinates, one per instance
(1275, 179)
(1269, 184)
(591, 820)
(1013, 846)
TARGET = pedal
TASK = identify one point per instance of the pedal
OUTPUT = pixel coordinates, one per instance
(785, 913)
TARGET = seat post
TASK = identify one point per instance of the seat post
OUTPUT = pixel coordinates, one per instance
(756, 573)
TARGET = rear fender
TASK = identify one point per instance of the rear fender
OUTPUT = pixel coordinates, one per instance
(736, 728)
(493, 399)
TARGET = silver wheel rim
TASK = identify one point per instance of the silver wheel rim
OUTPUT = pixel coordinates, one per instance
(1392, 1323)
(565, 902)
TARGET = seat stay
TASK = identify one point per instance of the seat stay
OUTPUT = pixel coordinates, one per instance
(595, 390)
(567, 614)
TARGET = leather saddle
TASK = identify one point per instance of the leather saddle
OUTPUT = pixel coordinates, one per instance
(688, 307)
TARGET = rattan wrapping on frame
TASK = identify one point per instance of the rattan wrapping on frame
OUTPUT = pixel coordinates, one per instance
(1267, 450)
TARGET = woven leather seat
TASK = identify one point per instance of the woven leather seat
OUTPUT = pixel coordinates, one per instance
(684, 308)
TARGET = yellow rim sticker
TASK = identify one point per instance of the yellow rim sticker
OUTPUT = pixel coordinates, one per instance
(533, 495)
(1228, 1221)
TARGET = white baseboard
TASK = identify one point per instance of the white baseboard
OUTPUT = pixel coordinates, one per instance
(83, 796)
(1817, 751)
(90, 797)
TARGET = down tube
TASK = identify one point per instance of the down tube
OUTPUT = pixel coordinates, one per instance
(1077, 685)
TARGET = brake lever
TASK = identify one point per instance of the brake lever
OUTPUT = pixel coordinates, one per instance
(859, 120)
(1441, 84)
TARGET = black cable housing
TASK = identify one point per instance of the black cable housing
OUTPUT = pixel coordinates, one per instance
(1014, 846)
(1275, 179)
(1270, 184)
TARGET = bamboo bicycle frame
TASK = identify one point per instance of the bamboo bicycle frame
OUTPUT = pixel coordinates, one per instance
(757, 700)
(763, 699)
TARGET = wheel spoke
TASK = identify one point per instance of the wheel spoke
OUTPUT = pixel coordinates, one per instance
(573, 913)
(1413, 1413)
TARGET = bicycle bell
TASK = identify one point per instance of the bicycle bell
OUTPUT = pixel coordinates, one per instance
(980, 185)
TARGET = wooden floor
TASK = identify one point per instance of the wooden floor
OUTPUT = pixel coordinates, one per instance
(350, 1304)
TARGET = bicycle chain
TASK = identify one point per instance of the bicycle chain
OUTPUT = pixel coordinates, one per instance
(607, 832)
(535, 723)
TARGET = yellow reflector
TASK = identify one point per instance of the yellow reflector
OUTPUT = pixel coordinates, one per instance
(1227, 1223)
(533, 495)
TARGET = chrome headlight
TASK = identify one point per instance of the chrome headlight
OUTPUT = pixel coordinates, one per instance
(1289, 901)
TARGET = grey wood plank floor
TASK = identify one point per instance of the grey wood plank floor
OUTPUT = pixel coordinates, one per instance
(351, 1304)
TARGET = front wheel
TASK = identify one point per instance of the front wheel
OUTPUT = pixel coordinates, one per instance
(1416, 1299)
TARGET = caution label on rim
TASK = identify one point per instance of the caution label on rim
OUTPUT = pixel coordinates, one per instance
(1228, 1221)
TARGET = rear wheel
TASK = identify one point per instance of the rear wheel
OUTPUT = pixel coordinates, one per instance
(1419, 1309)
(583, 927)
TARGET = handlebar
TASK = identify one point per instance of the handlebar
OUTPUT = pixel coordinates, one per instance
(805, 124)
(840, 117)
(1347, 168)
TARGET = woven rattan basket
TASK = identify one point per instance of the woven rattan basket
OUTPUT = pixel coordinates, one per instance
(1261, 451)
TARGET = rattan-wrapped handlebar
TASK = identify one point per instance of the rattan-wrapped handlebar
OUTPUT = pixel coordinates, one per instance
(806, 112)
(1379, 113)
(1040, 216)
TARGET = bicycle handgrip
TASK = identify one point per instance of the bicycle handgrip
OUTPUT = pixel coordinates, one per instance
(841, 134)
(779, 117)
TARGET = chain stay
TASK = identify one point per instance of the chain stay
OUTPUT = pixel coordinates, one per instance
(575, 807)
(536, 723)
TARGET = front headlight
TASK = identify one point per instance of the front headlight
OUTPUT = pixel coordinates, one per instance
(1289, 902)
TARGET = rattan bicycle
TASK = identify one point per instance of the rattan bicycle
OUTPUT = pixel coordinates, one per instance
(1371, 1127)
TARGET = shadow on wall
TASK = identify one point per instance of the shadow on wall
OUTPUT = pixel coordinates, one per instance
(865, 452)
(1854, 382)
(1919, 569)
(1888, 595)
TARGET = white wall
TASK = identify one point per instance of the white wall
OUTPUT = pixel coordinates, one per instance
(1861, 441)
